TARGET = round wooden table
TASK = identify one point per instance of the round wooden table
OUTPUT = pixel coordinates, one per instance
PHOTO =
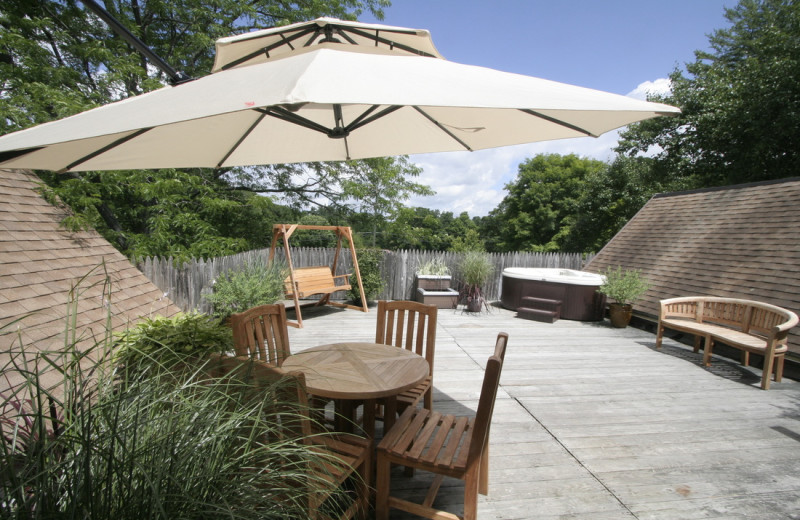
(347, 372)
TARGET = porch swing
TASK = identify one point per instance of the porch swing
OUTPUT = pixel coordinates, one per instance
(316, 280)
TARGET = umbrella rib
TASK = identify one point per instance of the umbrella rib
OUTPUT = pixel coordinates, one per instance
(391, 43)
(105, 149)
(241, 139)
(261, 50)
(346, 36)
(13, 154)
(557, 121)
(361, 121)
(442, 128)
(285, 115)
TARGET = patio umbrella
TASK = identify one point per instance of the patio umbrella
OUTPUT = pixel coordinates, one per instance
(323, 90)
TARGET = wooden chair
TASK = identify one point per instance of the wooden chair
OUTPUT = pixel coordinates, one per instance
(442, 444)
(343, 462)
(261, 333)
(412, 326)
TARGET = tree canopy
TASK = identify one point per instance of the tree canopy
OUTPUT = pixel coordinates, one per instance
(57, 58)
(541, 202)
(740, 104)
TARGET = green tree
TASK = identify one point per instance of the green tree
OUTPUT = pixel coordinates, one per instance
(380, 185)
(57, 59)
(541, 202)
(740, 104)
(609, 198)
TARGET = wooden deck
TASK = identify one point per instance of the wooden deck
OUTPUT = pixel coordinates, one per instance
(592, 422)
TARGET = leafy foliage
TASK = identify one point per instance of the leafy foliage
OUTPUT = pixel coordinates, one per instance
(607, 199)
(379, 185)
(256, 283)
(541, 202)
(57, 59)
(78, 441)
(435, 266)
(164, 341)
(624, 286)
(369, 265)
(740, 104)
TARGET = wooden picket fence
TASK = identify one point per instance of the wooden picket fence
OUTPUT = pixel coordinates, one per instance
(185, 285)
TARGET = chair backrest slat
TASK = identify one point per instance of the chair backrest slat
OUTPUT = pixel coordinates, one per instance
(409, 325)
(262, 333)
(491, 382)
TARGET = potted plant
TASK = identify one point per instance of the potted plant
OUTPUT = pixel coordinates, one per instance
(476, 268)
(433, 275)
(624, 286)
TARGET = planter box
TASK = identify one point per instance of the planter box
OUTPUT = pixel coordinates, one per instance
(433, 282)
(447, 299)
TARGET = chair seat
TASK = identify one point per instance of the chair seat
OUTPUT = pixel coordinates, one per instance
(414, 395)
(430, 440)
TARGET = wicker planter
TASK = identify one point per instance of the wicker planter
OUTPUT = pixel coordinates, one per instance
(620, 314)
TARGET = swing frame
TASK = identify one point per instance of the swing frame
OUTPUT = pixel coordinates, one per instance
(307, 281)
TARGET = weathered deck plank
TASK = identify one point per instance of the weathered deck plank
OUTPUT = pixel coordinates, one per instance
(594, 423)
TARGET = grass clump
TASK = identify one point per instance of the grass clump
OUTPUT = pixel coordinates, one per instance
(435, 267)
(79, 441)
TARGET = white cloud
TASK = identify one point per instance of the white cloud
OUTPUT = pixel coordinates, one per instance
(659, 86)
(474, 181)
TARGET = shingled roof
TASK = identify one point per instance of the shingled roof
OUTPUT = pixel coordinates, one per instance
(738, 241)
(40, 263)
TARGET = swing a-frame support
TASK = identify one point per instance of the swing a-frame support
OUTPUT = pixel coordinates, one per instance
(322, 280)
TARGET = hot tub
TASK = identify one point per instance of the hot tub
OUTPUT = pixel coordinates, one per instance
(576, 290)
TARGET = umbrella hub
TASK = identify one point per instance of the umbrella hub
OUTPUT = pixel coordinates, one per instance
(338, 132)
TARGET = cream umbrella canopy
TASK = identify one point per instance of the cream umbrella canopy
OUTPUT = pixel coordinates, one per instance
(324, 90)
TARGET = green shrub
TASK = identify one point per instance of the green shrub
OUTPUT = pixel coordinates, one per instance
(256, 283)
(369, 264)
(164, 340)
(624, 286)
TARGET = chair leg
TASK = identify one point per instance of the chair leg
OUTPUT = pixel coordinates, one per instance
(483, 487)
(471, 483)
(382, 483)
(428, 399)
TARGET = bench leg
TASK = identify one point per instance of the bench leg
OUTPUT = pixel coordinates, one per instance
(779, 368)
(766, 374)
(707, 351)
(659, 335)
(697, 339)
(745, 358)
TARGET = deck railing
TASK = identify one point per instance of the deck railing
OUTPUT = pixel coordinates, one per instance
(186, 284)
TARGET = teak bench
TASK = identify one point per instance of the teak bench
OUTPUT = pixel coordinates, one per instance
(315, 280)
(309, 281)
(747, 325)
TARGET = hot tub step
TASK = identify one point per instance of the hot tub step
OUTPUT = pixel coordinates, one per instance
(537, 315)
(544, 304)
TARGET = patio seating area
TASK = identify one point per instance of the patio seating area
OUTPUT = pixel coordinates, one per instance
(594, 422)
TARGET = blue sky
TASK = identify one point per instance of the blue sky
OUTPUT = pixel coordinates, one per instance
(620, 46)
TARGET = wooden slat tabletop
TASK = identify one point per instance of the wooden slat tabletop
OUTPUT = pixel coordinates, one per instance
(358, 370)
